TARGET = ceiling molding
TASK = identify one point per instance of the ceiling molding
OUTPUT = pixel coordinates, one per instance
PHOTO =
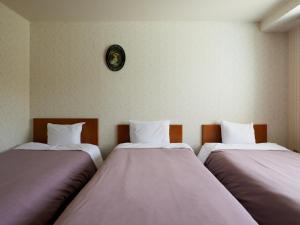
(142, 10)
(283, 18)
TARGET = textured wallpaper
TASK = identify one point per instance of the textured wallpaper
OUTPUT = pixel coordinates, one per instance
(190, 73)
(14, 79)
(294, 89)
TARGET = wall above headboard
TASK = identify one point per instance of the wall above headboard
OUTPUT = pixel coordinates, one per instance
(189, 72)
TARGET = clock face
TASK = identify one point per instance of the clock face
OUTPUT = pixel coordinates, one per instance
(115, 57)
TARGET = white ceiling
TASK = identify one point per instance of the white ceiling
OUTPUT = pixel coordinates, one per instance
(118, 10)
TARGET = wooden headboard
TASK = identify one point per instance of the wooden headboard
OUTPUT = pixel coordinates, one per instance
(89, 132)
(123, 133)
(212, 133)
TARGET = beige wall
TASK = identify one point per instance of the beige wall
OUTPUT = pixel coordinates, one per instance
(14, 79)
(191, 73)
(294, 89)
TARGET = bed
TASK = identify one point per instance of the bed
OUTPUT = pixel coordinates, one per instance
(154, 185)
(38, 182)
(263, 177)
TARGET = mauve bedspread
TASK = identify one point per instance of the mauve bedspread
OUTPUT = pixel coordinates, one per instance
(154, 187)
(267, 183)
(35, 186)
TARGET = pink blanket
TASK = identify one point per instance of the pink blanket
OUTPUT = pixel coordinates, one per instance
(154, 187)
(265, 182)
(35, 186)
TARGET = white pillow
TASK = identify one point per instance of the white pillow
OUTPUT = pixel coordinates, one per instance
(64, 134)
(237, 133)
(156, 132)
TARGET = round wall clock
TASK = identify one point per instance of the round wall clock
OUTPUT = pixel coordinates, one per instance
(115, 57)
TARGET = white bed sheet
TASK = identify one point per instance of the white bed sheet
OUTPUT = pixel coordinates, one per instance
(92, 150)
(170, 146)
(211, 147)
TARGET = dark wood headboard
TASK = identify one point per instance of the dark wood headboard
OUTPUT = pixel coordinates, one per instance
(211, 133)
(89, 132)
(123, 133)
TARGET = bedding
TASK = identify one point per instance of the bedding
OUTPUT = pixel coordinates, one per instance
(154, 186)
(58, 134)
(237, 133)
(37, 184)
(92, 150)
(208, 148)
(171, 146)
(265, 180)
(156, 132)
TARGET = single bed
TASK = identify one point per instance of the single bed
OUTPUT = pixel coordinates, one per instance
(150, 184)
(38, 182)
(263, 177)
